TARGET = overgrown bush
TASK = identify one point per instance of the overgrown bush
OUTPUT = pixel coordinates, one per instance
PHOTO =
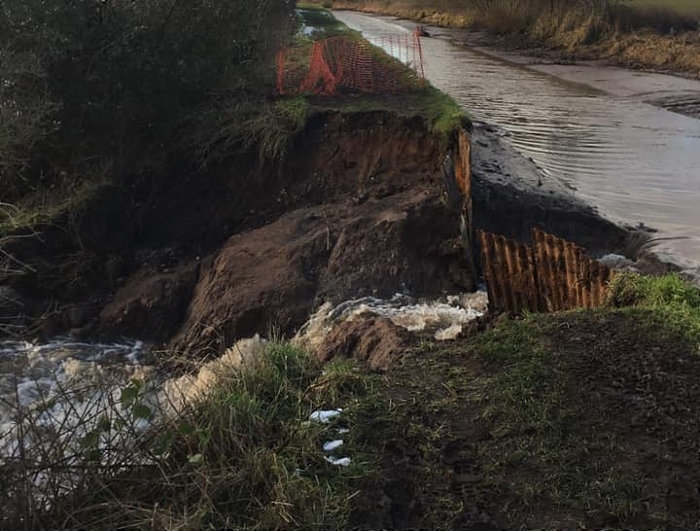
(93, 84)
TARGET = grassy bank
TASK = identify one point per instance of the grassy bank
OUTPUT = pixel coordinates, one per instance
(440, 111)
(582, 419)
(579, 420)
(245, 456)
(642, 34)
(687, 7)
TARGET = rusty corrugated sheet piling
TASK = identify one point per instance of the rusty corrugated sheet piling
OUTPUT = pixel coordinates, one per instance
(552, 275)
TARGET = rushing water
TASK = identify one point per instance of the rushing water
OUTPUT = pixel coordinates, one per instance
(59, 384)
(56, 394)
(635, 161)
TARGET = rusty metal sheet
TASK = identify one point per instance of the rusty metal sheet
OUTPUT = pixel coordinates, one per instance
(552, 275)
(567, 277)
(463, 172)
(509, 272)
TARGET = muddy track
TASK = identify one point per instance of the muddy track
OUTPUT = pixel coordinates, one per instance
(618, 448)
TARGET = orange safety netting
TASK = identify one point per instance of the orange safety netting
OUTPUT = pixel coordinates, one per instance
(344, 64)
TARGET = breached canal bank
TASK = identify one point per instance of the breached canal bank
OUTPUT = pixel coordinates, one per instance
(354, 205)
(358, 205)
(357, 208)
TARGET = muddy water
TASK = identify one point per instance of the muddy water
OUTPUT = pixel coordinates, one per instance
(637, 162)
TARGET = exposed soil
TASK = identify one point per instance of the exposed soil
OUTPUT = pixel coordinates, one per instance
(511, 195)
(617, 450)
(358, 208)
(393, 233)
(271, 278)
(375, 341)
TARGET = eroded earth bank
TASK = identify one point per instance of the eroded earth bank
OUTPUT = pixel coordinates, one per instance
(357, 208)
(546, 422)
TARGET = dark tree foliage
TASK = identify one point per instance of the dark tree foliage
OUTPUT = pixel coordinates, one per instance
(87, 84)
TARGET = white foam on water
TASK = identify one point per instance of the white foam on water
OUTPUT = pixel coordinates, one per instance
(54, 395)
(33, 374)
(177, 392)
(444, 318)
(64, 383)
(57, 393)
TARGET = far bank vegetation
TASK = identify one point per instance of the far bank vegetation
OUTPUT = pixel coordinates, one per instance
(647, 33)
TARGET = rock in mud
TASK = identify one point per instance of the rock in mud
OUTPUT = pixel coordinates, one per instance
(151, 305)
(376, 341)
(271, 278)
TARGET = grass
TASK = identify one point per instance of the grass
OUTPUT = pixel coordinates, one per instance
(266, 127)
(442, 114)
(673, 304)
(535, 461)
(557, 421)
(319, 18)
(555, 454)
(242, 457)
(46, 205)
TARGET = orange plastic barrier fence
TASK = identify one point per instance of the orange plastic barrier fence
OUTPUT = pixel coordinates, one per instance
(344, 64)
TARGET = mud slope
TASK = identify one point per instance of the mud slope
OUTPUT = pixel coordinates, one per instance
(365, 216)
(358, 209)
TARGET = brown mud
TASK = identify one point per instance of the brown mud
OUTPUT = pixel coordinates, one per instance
(357, 208)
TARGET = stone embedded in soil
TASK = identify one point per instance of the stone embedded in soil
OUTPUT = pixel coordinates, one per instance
(151, 302)
(376, 341)
(271, 278)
